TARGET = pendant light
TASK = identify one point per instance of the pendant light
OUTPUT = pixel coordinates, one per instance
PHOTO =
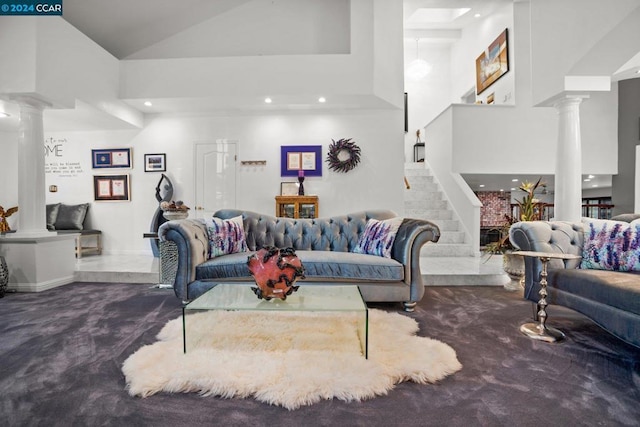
(419, 68)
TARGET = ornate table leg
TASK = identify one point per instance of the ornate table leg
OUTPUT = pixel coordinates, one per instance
(540, 331)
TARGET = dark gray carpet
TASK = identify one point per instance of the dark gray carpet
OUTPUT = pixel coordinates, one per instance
(61, 353)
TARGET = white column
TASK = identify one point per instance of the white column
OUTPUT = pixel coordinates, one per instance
(568, 177)
(31, 178)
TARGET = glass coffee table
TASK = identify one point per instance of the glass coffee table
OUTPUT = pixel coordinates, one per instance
(308, 298)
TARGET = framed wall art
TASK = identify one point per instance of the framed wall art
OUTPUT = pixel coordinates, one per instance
(155, 162)
(111, 158)
(493, 63)
(111, 188)
(295, 158)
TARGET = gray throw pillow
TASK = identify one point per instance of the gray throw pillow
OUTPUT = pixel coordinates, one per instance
(71, 217)
(52, 214)
(628, 217)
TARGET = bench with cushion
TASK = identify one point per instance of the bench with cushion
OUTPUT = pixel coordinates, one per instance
(337, 250)
(66, 219)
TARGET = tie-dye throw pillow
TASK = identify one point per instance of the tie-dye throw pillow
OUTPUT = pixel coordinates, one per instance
(611, 245)
(378, 237)
(226, 236)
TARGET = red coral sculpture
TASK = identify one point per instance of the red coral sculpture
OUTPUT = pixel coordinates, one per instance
(275, 272)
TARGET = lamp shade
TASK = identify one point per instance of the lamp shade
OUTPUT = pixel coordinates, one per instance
(418, 69)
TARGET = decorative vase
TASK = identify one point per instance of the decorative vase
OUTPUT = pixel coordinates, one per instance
(275, 271)
(171, 215)
(301, 186)
(4, 276)
(513, 265)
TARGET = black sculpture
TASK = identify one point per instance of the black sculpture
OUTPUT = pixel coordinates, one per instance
(158, 219)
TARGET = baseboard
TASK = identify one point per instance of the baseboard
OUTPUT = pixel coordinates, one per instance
(42, 286)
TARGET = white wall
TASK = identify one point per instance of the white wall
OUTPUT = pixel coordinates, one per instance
(523, 140)
(563, 34)
(493, 138)
(375, 184)
(453, 72)
(59, 65)
(18, 65)
(368, 76)
(430, 96)
(475, 39)
(387, 52)
(262, 27)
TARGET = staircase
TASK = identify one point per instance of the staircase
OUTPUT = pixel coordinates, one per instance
(425, 200)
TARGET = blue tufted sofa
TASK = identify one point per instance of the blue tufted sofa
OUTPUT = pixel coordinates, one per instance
(323, 245)
(609, 298)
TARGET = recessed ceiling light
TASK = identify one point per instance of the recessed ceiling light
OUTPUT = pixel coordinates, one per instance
(592, 176)
(502, 189)
(481, 185)
(267, 100)
(148, 103)
(477, 15)
(594, 185)
(322, 99)
(514, 180)
(3, 114)
(513, 188)
(587, 180)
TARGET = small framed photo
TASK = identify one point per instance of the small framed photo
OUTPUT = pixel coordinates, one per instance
(111, 188)
(155, 162)
(112, 158)
(289, 188)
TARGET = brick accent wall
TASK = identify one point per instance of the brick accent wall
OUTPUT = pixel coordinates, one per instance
(495, 204)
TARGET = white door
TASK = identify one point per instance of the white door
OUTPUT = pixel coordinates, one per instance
(215, 180)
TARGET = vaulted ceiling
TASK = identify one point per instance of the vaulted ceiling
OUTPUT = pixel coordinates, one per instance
(124, 27)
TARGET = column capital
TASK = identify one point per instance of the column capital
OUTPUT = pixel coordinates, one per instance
(567, 100)
(563, 97)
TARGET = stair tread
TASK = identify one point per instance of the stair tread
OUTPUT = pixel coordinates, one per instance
(425, 200)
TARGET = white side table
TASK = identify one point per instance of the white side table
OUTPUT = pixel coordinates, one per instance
(540, 331)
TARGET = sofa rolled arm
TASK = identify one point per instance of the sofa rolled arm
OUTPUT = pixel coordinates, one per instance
(192, 242)
(411, 236)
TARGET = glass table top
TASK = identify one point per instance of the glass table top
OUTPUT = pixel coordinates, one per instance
(306, 298)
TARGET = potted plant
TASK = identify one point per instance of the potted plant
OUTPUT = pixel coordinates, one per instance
(530, 209)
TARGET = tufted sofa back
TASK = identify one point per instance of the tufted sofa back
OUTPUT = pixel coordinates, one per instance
(339, 233)
(549, 236)
(546, 236)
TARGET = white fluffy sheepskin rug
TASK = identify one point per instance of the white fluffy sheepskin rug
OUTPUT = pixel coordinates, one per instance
(287, 359)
